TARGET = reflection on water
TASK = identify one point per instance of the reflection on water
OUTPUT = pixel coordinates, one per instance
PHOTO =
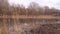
(29, 26)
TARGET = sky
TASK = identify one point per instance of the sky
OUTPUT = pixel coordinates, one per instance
(50, 3)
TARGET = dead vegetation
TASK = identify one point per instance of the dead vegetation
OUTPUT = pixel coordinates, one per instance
(32, 20)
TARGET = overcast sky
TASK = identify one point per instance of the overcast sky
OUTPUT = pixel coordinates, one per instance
(50, 3)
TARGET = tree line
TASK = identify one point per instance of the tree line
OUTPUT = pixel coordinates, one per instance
(32, 9)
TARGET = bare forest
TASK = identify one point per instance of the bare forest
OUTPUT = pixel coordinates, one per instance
(34, 19)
